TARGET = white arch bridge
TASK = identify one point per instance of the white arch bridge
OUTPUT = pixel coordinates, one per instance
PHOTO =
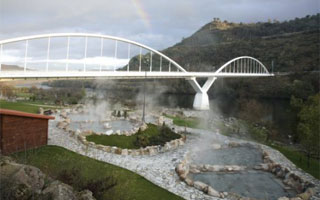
(144, 62)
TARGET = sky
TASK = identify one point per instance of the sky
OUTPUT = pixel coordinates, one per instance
(158, 24)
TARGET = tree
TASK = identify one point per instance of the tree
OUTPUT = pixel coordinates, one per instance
(7, 91)
(251, 110)
(308, 126)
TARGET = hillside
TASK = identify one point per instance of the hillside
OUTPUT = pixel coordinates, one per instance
(292, 45)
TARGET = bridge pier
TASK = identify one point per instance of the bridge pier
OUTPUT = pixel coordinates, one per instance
(201, 100)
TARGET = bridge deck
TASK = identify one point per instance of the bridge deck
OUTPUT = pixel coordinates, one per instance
(11, 75)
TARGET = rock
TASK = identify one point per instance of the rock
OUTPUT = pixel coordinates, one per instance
(135, 152)
(283, 198)
(113, 149)
(295, 198)
(63, 114)
(180, 169)
(107, 149)
(60, 191)
(118, 151)
(216, 146)
(61, 125)
(264, 167)
(143, 127)
(194, 171)
(67, 120)
(167, 146)
(311, 191)
(152, 151)
(31, 177)
(180, 142)
(188, 181)
(85, 195)
(100, 147)
(213, 192)
(124, 152)
(201, 186)
(109, 132)
(234, 144)
(305, 195)
(160, 121)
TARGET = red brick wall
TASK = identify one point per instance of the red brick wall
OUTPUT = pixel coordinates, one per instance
(18, 133)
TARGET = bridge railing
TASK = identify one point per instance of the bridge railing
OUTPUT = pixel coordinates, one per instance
(144, 62)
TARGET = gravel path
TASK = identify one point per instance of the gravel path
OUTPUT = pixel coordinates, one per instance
(159, 169)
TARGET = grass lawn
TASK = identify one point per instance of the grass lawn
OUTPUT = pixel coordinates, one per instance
(21, 106)
(128, 142)
(52, 160)
(300, 160)
(191, 122)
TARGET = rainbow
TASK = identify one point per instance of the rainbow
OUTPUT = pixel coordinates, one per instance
(142, 13)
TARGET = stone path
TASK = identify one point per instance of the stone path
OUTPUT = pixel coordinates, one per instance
(159, 169)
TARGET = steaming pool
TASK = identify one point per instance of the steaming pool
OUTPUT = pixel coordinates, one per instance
(251, 183)
(98, 127)
(243, 155)
(93, 123)
(246, 182)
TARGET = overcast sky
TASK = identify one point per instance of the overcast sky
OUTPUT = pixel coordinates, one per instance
(159, 23)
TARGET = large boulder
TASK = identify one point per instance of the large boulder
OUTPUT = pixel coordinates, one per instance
(19, 181)
(30, 176)
(60, 191)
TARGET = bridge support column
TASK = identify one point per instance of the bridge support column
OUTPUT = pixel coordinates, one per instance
(201, 100)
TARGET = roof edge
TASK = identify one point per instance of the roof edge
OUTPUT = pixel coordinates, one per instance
(24, 114)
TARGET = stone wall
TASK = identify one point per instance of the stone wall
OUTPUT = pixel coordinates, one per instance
(149, 150)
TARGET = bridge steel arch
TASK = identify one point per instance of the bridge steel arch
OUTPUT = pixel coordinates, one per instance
(86, 35)
(244, 66)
